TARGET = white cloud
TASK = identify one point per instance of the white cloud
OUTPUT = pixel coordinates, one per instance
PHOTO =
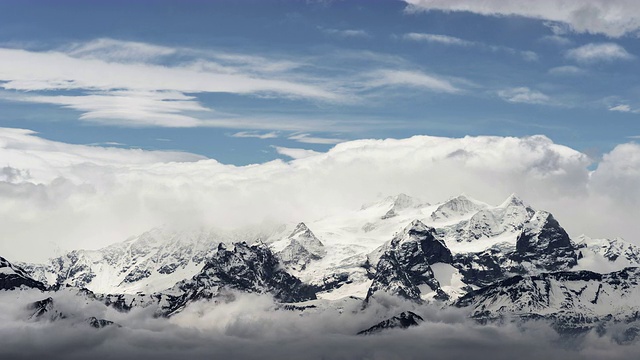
(621, 108)
(32, 71)
(129, 108)
(346, 33)
(435, 38)
(137, 84)
(295, 153)
(87, 196)
(116, 50)
(455, 41)
(253, 134)
(381, 78)
(557, 40)
(524, 95)
(613, 18)
(308, 139)
(591, 53)
(566, 70)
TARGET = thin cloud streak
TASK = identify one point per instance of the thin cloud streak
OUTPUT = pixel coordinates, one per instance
(121, 83)
(598, 52)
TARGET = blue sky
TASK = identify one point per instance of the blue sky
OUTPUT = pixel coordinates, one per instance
(237, 80)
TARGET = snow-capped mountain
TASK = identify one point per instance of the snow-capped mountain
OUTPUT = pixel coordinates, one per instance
(404, 265)
(494, 260)
(573, 301)
(246, 268)
(301, 247)
(13, 277)
(153, 261)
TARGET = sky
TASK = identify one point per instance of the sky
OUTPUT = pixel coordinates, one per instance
(238, 81)
(122, 116)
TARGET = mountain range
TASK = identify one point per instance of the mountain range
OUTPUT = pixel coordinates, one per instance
(508, 262)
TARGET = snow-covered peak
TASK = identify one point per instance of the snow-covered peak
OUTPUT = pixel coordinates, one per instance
(457, 207)
(398, 202)
(403, 201)
(13, 277)
(512, 200)
(301, 230)
(606, 255)
(300, 248)
(6, 268)
(537, 222)
(415, 225)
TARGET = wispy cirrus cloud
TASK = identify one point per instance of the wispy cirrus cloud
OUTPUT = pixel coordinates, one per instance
(625, 108)
(257, 135)
(621, 108)
(437, 38)
(416, 79)
(613, 18)
(566, 70)
(455, 41)
(309, 139)
(123, 83)
(599, 52)
(524, 95)
(345, 33)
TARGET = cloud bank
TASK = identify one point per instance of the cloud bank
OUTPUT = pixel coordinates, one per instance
(250, 327)
(76, 196)
(614, 18)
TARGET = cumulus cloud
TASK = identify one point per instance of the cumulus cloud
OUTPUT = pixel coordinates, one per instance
(524, 95)
(613, 18)
(88, 197)
(603, 52)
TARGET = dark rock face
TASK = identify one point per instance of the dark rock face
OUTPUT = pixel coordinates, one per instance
(405, 265)
(252, 269)
(13, 277)
(333, 281)
(45, 309)
(544, 243)
(136, 275)
(100, 323)
(401, 321)
(483, 268)
(71, 267)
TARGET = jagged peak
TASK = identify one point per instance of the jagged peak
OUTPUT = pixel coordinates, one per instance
(416, 225)
(512, 200)
(458, 206)
(300, 228)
